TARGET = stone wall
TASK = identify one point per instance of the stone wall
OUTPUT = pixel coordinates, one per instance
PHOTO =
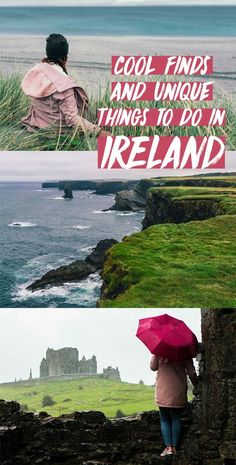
(82, 438)
(88, 366)
(218, 372)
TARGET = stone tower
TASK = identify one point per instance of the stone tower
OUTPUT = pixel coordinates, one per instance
(66, 362)
(60, 362)
(88, 365)
(44, 368)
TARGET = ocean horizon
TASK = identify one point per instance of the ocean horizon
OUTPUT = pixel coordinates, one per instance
(115, 21)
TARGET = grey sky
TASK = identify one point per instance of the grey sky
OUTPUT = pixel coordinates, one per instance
(42, 166)
(113, 2)
(25, 335)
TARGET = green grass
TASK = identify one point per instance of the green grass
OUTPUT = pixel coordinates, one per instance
(225, 196)
(174, 265)
(14, 105)
(104, 395)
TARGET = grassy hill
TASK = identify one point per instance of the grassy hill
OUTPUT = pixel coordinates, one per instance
(105, 395)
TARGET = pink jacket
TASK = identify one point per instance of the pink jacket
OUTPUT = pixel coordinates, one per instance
(56, 100)
(171, 381)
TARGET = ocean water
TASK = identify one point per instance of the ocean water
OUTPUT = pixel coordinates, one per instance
(147, 21)
(40, 231)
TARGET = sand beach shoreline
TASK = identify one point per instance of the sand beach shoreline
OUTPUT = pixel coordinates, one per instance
(91, 55)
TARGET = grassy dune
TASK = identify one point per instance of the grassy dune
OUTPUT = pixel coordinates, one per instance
(14, 105)
(85, 394)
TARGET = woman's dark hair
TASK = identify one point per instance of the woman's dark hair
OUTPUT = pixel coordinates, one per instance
(57, 49)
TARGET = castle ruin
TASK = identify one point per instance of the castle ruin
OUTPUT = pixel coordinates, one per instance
(66, 361)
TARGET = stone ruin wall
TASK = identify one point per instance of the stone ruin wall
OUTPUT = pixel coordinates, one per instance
(66, 361)
(89, 438)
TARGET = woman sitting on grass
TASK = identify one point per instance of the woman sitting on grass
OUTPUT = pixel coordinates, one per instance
(56, 99)
(171, 396)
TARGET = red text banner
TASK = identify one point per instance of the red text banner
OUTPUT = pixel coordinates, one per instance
(161, 117)
(162, 65)
(166, 152)
(161, 91)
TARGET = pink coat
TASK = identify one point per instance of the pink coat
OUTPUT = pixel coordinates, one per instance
(56, 100)
(171, 381)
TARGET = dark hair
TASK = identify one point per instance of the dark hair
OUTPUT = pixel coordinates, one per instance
(57, 49)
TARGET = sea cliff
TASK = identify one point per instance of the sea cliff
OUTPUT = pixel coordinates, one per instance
(185, 256)
(99, 187)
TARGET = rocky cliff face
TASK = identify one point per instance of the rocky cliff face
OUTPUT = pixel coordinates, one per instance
(142, 186)
(146, 193)
(100, 187)
(89, 438)
(161, 207)
(129, 201)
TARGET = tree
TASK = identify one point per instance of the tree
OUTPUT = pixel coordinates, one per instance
(141, 381)
(47, 401)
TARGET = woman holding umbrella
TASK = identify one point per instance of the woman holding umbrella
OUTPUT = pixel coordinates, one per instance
(173, 346)
(171, 396)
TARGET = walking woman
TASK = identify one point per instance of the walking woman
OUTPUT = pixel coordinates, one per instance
(56, 99)
(171, 396)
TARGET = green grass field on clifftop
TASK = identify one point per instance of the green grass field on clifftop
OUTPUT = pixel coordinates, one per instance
(174, 265)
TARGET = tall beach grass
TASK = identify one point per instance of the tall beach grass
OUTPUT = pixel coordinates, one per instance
(14, 105)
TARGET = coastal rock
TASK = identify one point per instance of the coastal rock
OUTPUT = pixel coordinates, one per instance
(68, 194)
(129, 201)
(97, 256)
(69, 273)
(77, 270)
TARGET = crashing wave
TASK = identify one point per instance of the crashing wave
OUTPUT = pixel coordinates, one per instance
(21, 224)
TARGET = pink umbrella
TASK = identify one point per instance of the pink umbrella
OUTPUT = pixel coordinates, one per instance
(167, 337)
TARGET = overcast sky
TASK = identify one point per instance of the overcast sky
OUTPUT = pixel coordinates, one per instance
(25, 335)
(113, 2)
(43, 166)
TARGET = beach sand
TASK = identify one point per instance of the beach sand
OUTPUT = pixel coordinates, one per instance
(90, 57)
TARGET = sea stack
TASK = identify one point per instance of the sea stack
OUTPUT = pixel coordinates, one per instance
(68, 194)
